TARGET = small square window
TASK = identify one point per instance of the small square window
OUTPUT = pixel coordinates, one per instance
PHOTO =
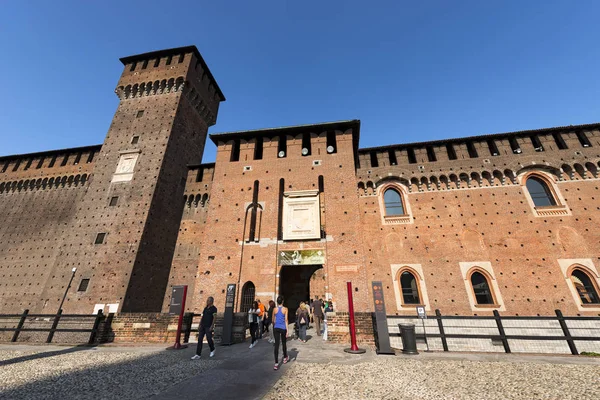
(113, 201)
(135, 140)
(139, 114)
(100, 238)
(83, 285)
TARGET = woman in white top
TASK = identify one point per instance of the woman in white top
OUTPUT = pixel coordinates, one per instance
(253, 320)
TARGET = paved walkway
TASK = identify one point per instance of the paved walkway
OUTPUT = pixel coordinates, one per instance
(236, 372)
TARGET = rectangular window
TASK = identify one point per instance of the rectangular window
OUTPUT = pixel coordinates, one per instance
(583, 139)
(90, 157)
(430, 154)
(537, 145)
(77, 159)
(100, 238)
(493, 148)
(28, 165)
(135, 140)
(392, 157)
(169, 59)
(65, 160)
(16, 167)
(235, 151)
(52, 162)
(451, 151)
(282, 146)
(113, 201)
(181, 58)
(514, 145)
(139, 114)
(145, 64)
(200, 174)
(133, 65)
(374, 160)
(306, 149)
(40, 163)
(412, 158)
(472, 150)
(83, 285)
(258, 148)
(157, 62)
(6, 164)
(331, 142)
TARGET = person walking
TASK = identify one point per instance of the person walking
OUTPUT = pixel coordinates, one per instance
(253, 321)
(280, 317)
(317, 310)
(327, 309)
(261, 318)
(270, 320)
(206, 327)
(302, 319)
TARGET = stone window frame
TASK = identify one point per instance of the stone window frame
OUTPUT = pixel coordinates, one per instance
(407, 218)
(417, 271)
(559, 210)
(586, 265)
(485, 268)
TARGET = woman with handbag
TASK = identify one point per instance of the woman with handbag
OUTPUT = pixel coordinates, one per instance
(302, 319)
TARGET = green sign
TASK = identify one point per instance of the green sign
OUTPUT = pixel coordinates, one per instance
(301, 257)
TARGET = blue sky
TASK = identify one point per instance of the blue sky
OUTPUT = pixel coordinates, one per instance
(408, 70)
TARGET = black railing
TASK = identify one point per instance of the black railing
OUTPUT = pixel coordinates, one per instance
(502, 336)
(26, 321)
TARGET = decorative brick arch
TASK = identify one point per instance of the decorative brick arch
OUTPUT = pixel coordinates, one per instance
(407, 218)
(560, 209)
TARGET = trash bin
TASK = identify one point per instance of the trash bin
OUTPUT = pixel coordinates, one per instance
(409, 339)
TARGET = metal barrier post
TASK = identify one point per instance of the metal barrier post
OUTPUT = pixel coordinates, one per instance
(54, 325)
(501, 331)
(565, 329)
(20, 326)
(94, 332)
(438, 316)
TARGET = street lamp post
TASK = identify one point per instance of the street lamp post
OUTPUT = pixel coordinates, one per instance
(66, 290)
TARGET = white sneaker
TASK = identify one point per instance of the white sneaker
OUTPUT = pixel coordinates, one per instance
(212, 353)
(251, 346)
(197, 357)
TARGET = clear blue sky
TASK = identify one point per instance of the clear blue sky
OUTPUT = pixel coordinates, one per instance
(408, 70)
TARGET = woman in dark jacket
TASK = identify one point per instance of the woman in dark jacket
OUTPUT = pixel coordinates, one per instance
(253, 322)
(270, 320)
(302, 320)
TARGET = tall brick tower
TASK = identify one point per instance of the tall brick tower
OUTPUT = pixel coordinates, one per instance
(124, 234)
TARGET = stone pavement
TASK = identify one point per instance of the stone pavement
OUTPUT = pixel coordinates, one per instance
(237, 372)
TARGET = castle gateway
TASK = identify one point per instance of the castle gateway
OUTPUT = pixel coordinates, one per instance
(503, 222)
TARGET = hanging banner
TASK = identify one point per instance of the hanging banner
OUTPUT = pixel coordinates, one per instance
(301, 257)
(382, 335)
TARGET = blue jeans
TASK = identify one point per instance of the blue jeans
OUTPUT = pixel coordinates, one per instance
(302, 332)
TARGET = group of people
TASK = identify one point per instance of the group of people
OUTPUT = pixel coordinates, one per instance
(273, 320)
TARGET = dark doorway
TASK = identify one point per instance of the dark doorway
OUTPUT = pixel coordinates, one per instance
(294, 285)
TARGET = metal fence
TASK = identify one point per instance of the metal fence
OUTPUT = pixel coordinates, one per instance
(497, 327)
(52, 324)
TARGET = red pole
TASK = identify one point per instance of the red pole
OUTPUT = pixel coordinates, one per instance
(177, 344)
(353, 347)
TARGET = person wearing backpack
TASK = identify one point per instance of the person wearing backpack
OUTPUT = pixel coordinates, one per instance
(302, 319)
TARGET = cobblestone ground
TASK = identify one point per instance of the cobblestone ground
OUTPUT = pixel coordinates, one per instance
(93, 374)
(394, 378)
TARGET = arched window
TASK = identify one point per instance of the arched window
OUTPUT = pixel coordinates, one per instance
(586, 289)
(248, 296)
(540, 192)
(481, 289)
(410, 288)
(393, 203)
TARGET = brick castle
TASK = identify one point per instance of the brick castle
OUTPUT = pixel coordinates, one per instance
(503, 222)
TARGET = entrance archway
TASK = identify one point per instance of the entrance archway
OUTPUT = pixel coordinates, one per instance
(248, 296)
(295, 285)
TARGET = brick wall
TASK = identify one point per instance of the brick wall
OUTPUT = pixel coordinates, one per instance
(338, 328)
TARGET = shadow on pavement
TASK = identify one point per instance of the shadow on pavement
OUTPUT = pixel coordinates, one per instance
(45, 354)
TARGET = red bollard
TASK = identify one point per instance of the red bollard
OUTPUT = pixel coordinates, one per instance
(178, 345)
(353, 347)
